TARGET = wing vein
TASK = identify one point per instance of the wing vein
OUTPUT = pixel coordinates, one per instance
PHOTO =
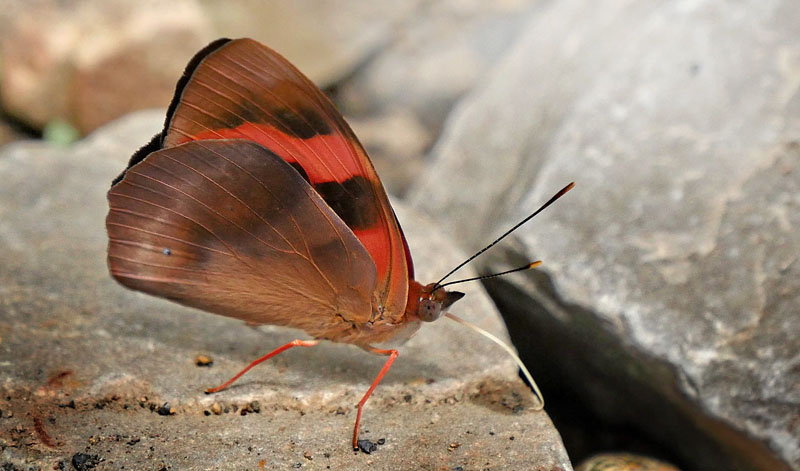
(276, 98)
(291, 217)
(311, 151)
(226, 190)
(208, 207)
(157, 234)
(167, 267)
(133, 242)
(235, 254)
(309, 90)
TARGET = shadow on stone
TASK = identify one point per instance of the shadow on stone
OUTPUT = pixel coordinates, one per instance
(603, 395)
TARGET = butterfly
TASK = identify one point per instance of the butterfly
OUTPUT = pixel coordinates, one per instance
(256, 201)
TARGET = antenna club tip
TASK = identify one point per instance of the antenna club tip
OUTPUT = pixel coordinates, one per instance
(564, 191)
(535, 264)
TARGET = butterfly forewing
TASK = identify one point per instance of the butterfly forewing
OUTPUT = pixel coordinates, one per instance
(229, 227)
(242, 89)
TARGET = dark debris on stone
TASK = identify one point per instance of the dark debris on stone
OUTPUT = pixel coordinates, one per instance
(165, 409)
(85, 461)
(367, 446)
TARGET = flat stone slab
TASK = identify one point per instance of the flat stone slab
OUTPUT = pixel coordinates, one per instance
(86, 366)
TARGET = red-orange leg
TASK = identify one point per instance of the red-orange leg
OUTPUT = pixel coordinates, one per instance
(293, 343)
(392, 355)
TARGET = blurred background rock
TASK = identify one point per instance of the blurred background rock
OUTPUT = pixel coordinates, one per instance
(399, 65)
(666, 319)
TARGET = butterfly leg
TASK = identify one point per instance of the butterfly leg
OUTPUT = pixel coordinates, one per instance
(392, 355)
(293, 343)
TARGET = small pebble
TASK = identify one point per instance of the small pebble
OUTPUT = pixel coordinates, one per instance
(367, 446)
(166, 409)
(84, 462)
(202, 360)
(624, 461)
(216, 408)
(70, 404)
(255, 406)
(307, 455)
(381, 441)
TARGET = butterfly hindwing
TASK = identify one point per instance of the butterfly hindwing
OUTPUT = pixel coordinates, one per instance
(229, 227)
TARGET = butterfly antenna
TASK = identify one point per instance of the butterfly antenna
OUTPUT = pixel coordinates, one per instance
(558, 195)
(508, 350)
(483, 277)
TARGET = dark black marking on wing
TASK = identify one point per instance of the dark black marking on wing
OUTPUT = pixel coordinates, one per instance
(351, 200)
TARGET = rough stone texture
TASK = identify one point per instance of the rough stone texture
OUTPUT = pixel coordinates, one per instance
(87, 366)
(669, 295)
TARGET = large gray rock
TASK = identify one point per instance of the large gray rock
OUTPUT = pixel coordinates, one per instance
(669, 294)
(438, 53)
(86, 364)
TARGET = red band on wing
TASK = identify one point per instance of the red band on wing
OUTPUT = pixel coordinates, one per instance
(307, 152)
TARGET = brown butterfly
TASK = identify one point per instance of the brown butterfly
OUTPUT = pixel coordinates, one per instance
(257, 202)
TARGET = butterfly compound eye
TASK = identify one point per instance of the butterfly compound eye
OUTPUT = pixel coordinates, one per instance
(429, 310)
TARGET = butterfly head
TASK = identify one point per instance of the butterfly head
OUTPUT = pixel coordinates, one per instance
(433, 302)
